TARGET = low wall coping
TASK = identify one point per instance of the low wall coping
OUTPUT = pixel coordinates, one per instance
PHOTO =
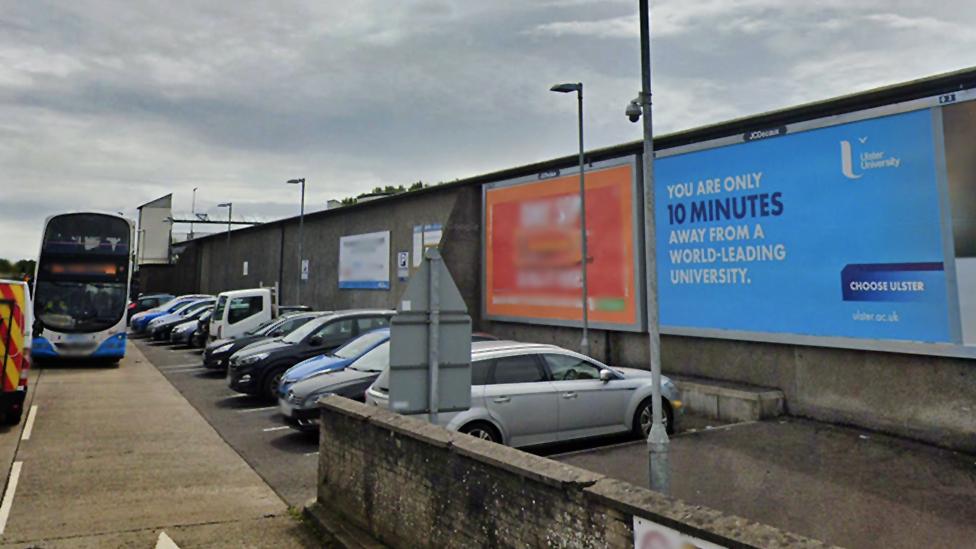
(707, 524)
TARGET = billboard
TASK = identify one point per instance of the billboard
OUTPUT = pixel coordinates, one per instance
(155, 228)
(364, 261)
(532, 261)
(841, 232)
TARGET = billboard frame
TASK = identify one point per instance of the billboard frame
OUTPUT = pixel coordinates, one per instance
(932, 103)
(640, 312)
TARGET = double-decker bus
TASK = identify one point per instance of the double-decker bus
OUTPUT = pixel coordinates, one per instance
(81, 286)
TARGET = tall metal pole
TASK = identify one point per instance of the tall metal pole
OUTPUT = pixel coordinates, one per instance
(659, 466)
(301, 244)
(193, 211)
(230, 215)
(585, 342)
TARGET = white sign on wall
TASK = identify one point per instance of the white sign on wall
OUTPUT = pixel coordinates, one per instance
(304, 269)
(650, 535)
(245, 268)
(403, 265)
(364, 261)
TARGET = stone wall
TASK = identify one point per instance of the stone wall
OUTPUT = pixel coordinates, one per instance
(411, 484)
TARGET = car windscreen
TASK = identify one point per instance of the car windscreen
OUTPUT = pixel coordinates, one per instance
(374, 361)
(361, 344)
(305, 330)
(266, 326)
(218, 313)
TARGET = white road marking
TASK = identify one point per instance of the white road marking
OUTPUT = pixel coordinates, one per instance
(170, 367)
(185, 370)
(279, 428)
(165, 542)
(264, 409)
(8, 496)
(29, 426)
(312, 454)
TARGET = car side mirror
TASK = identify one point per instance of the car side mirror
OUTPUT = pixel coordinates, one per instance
(606, 375)
(315, 340)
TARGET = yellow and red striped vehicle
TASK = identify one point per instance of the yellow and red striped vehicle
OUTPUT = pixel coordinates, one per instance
(15, 345)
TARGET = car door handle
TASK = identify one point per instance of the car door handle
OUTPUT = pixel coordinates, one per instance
(502, 399)
(571, 394)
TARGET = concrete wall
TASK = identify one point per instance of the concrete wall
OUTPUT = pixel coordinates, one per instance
(272, 251)
(412, 484)
(926, 398)
(922, 397)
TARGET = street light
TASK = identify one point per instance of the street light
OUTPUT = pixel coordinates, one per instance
(578, 88)
(193, 211)
(301, 239)
(659, 465)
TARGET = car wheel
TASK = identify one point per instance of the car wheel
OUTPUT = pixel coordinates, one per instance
(13, 417)
(271, 382)
(644, 416)
(482, 430)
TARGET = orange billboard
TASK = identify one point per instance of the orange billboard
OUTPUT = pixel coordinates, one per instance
(533, 252)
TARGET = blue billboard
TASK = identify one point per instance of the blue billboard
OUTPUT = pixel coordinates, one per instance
(831, 232)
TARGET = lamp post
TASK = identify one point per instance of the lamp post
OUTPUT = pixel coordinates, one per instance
(193, 211)
(659, 464)
(301, 239)
(578, 88)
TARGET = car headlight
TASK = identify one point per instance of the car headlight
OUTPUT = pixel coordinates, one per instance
(251, 359)
(223, 348)
(314, 397)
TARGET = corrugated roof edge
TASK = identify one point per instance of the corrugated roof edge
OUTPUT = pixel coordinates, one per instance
(886, 95)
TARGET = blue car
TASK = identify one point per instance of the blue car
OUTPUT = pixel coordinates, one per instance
(337, 360)
(141, 320)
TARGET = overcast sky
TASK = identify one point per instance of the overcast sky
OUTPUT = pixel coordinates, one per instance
(107, 105)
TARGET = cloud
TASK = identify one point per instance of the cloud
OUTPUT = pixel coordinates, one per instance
(106, 105)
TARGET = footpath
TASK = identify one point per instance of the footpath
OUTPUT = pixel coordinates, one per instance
(116, 457)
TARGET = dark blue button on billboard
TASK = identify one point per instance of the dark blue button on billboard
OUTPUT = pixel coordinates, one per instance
(892, 281)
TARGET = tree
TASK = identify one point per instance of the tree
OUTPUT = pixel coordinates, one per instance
(25, 266)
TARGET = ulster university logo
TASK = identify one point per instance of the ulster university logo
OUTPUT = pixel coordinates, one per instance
(854, 163)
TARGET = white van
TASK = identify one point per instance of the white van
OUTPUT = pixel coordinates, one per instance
(240, 311)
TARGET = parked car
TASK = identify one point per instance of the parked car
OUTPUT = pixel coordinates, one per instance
(158, 328)
(257, 369)
(145, 302)
(344, 356)
(141, 320)
(183, 333)
(336, 360)
(298, 405)
(524, 394)
(240, 311)
(202, 334)
(218, 352)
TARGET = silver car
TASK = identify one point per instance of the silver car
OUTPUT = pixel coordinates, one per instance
(524, 394)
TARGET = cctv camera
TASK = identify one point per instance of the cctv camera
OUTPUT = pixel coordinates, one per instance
(633, 111)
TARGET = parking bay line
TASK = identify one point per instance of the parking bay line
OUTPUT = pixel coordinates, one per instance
(278, 428)
(8, 495)
(262, 409)
(187, 370)
(29, 425)
(170, 367)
